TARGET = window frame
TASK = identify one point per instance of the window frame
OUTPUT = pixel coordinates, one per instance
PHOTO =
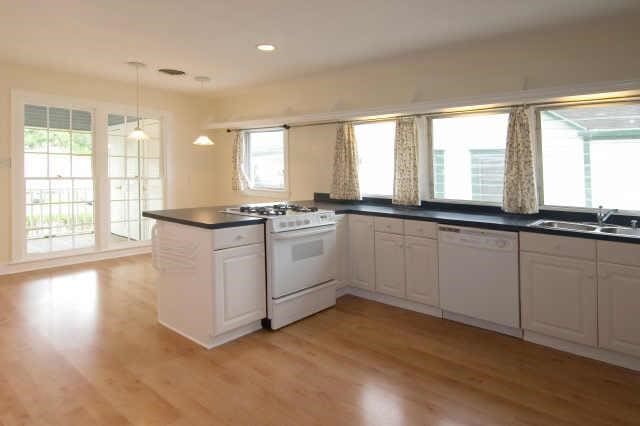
(266, 191)
(539, 165)
(99, 111)
(430, 155)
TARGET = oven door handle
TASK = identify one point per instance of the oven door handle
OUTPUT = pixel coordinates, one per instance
(303, 233)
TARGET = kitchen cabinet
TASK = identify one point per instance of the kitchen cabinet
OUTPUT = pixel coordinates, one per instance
(390, 264)
(559, 297)
(421, 270)
(342, 250)
(361, 252)
(619, 297)
(240, 287)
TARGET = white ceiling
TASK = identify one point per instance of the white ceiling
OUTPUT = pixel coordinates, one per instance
(217, 38)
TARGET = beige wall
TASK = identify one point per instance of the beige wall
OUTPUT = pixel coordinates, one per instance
(599, 51)
(572, 55)
(310, 165)
(189, 170)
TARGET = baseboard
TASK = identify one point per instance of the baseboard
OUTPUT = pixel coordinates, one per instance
(487, 325)
(599, 354)
(33, 265)
(390, 300)
(222, 338)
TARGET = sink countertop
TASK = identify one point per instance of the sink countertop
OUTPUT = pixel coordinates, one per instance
(214, 218)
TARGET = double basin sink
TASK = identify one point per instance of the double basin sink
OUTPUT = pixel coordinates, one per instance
(587, 228)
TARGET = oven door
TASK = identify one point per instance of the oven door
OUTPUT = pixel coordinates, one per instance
(301, 259)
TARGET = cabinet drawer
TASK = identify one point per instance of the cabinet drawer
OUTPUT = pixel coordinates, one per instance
(580, 248)
(384, 224)
(621, 253)
(419, 228)
(238, 236)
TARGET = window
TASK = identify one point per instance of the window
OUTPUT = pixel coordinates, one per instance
(265, 160)
(58, 179)
(135, 178)
(590, 155)
(375, 142)
(468, 156)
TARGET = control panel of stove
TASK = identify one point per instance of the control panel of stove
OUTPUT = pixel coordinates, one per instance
(301, 221)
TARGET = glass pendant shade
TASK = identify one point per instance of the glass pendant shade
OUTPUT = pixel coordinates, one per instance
(203, 140)
(138, 135)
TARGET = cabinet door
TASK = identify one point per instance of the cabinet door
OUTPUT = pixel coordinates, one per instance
(559, 297)
(361, 252)
(390, 264)
(240, 287)
(421, 260)
(619, 308)
(342, 252)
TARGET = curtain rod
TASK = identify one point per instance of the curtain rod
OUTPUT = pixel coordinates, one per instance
(390, 117)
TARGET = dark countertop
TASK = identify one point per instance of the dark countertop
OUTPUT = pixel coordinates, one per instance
(214, 218)
(203, 217)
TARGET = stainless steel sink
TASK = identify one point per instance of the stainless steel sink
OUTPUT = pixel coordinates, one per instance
(620, 230)
(588, 228)
(567, 226)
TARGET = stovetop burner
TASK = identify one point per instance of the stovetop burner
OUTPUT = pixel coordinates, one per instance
(277, 209)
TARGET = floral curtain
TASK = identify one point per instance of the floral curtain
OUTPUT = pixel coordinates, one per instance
(520, 195)
(346, 185)
(239, 180)
(406, 186)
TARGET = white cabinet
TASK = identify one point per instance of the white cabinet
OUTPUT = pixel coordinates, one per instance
(619, 297)
(342, 250)
(389, 254)
(240, 287)
(559, 297)
(421, 270)
(361, 251)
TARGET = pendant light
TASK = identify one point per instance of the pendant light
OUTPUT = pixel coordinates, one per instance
(137, 134)
(203, 140)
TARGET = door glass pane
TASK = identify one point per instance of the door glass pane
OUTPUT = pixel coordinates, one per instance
(62, 190)
(81, 143)
(132, 167)
(59, 142)
(118, 189)
(152, 189)
(35, 140)
(35, 165)
(64, 141)
(118, 211)
(81, 166)
(151, 168)
(59, 165)
(116, 166)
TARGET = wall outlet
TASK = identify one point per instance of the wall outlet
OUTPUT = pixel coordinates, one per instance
(5, 163)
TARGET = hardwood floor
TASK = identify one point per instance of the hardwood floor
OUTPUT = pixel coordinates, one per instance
(81, 346)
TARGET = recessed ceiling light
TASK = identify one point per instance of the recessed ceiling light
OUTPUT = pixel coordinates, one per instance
(264, 47)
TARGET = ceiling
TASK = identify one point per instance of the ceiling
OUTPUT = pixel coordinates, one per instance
(217, 38)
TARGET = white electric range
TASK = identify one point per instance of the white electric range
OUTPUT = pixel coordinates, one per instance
(301, 259)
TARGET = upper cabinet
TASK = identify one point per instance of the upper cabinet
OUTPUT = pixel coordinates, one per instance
(361, 251)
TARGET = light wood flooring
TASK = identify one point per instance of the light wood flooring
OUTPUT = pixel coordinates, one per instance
(81, 346)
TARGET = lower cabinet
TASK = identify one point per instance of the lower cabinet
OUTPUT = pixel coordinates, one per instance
(342, 250)
(361, 252)
(421, 270)
(619, 308)
(559, 297)
(239, 287)
(390, 264)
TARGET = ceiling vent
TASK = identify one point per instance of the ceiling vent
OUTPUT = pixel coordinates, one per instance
(170, 71)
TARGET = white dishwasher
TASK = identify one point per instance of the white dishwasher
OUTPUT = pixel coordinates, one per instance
(478, 277)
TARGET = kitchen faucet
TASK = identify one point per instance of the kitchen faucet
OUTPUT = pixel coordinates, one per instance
(602, 215)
